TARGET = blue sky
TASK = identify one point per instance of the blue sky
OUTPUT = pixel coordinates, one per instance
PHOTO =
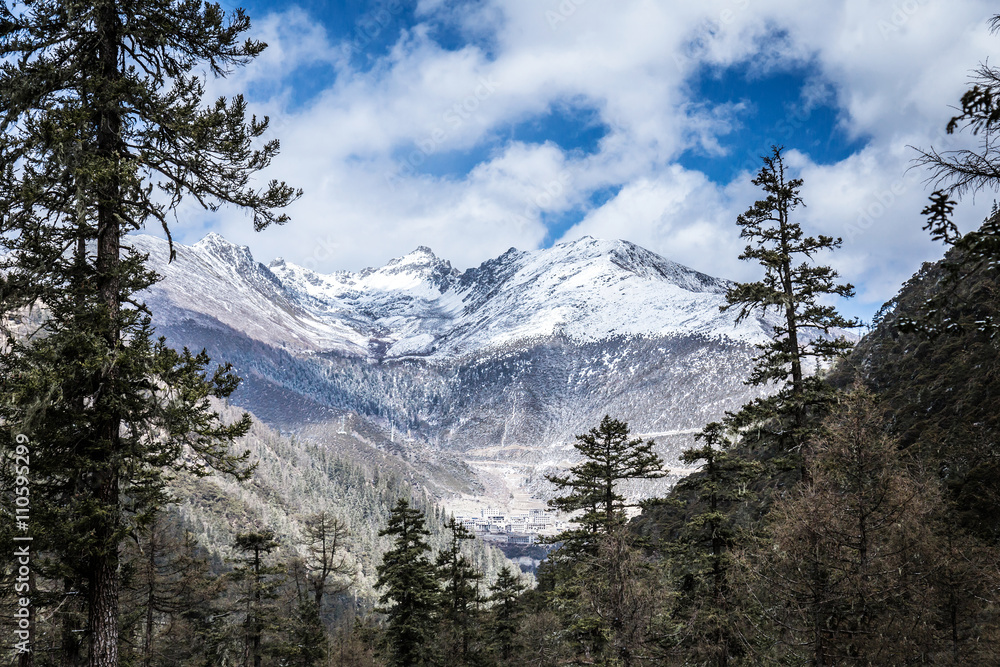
(471, 127)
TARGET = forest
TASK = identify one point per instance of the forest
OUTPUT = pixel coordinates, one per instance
(850, 516)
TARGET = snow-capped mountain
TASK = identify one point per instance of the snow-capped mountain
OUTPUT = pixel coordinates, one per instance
(502, 362)
(418, 305)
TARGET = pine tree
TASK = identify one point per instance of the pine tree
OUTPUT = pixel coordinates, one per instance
(259, 582)
(460, 594)
(168, 592)
(307, 642)
(588, 573)
(966, 171)
(326, 543)
(505, 613)
(610, 458)
(411, 596)
(703, 619)
(103, 131)
(797, 288)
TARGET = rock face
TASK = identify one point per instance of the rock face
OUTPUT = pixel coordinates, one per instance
(501, 364)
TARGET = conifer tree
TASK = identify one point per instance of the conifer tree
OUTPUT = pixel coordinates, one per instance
(703, 619)
(174, 584)
(411, 596)
(588, 572)
(460, 593)
(966, 171)
(844, 576)
(104, 130)
(326, 543)
(795, 287)
(307, 643)
(954, 174)
(505, 613)
(609, 458)
(259, 581)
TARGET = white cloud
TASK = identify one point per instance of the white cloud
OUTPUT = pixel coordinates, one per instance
(892, 69)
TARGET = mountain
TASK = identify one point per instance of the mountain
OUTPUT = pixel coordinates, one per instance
(496, 367)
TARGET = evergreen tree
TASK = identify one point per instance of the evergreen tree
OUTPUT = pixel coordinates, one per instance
(174, 586)
(704, 623)
(505, 614)
(308, 636)
(259, 582)
(326, 543)
(609, 458)
(460, 594)
(796, 287)
(412, 596)
(588, 574)
(104, 131)
(964, 171)
(954, 174)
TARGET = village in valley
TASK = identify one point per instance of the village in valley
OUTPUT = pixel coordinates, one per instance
(500, 526)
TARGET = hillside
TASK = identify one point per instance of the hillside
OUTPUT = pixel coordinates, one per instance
(942, 392)
(338, 470)
(501, 364)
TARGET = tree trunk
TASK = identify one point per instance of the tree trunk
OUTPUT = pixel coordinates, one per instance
(147, 642)
(255, 627)
(104, 573)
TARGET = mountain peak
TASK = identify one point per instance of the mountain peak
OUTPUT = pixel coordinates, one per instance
(212, 239)
(421, 256)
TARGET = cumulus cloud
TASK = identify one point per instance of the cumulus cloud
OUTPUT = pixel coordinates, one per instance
(363, 145)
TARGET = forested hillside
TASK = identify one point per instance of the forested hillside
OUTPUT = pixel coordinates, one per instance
(335, 472)
(933, 362)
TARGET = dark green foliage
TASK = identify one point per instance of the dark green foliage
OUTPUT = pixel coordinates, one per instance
(592, 577)
(963, 171)
(412, 595)
(941, 392)
(307, 641)
(170, 597)
(461, 599)
(797, 288)
(704, 621)
(259, 581)
(103, 130)
(609, 458)
(791, 284)
(954, 174)
(505, 614)
(954, 309)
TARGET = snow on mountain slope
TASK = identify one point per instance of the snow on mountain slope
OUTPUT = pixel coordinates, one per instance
(587, 290)
(504, 362)
(223, 281)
